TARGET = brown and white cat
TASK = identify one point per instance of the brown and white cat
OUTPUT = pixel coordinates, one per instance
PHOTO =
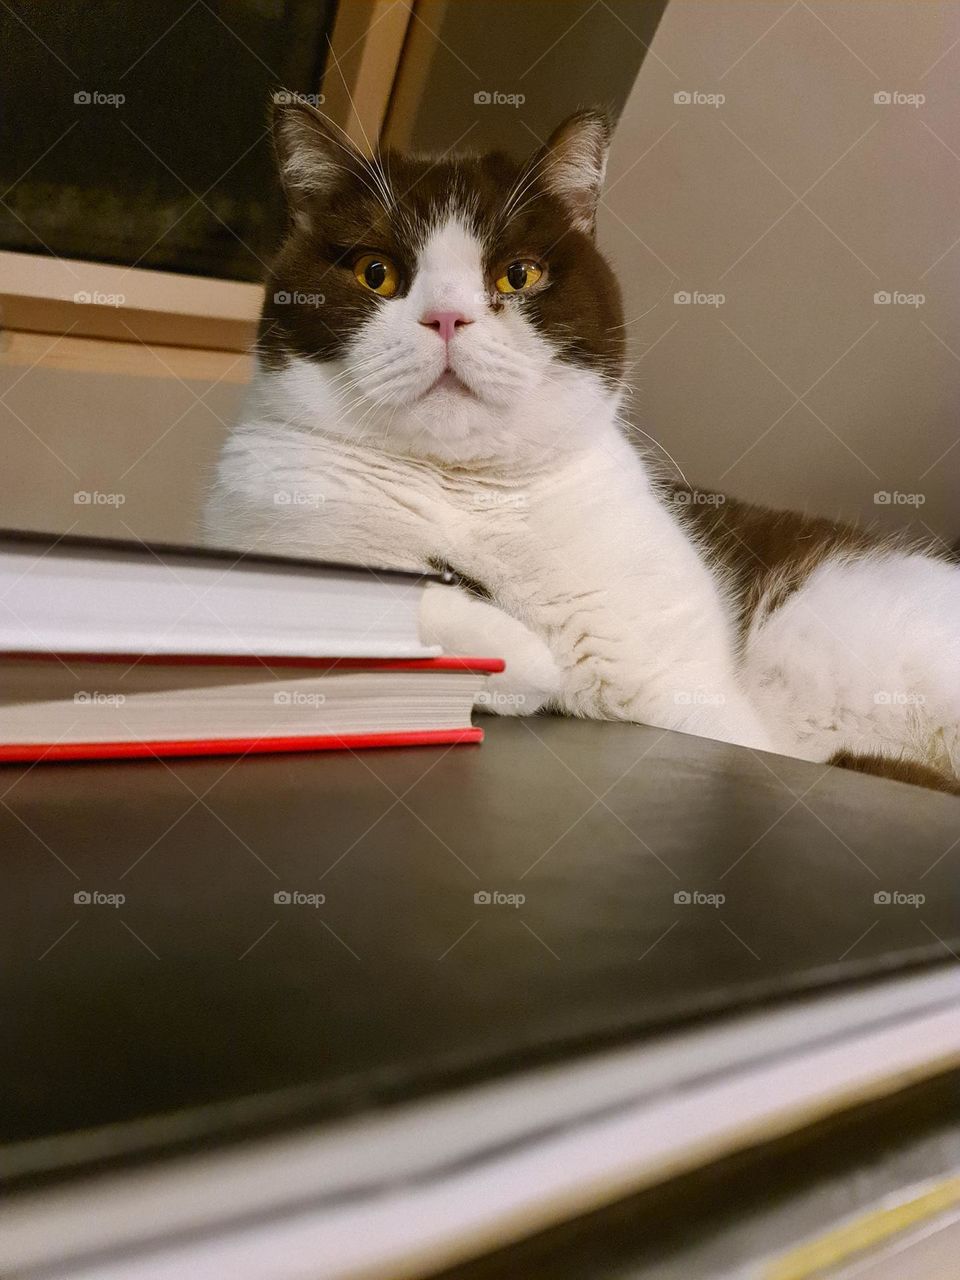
(439, 381)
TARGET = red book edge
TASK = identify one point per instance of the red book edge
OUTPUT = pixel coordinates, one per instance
(480, 666)
(33, 752)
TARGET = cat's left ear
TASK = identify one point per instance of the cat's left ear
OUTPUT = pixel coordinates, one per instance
(573, 162)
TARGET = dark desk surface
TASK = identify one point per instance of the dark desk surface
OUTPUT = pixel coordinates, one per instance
(201, 987)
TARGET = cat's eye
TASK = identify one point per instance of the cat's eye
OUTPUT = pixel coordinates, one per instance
(378, 274)
(520, 275)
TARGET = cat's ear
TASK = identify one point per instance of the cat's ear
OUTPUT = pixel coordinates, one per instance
(573, 162)
(313, 158)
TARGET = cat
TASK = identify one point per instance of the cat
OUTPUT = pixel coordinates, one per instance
(439, 382)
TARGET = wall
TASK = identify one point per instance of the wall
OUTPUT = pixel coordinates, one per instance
(798, 199)
(555, 55)
(140, 442)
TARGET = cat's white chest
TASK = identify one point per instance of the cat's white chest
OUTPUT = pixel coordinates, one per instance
(313, 496)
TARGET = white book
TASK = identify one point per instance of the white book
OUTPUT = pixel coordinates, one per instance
(91, 595)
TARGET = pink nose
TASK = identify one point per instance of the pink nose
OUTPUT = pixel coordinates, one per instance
(446, 323)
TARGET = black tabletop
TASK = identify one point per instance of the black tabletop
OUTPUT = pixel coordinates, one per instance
(331, 932)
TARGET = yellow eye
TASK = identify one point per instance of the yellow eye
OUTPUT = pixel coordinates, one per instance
(518, 276)
(377, 273)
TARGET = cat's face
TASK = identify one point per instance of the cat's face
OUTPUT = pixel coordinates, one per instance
(454, 309)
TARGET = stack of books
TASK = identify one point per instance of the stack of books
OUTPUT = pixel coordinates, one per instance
(111, 648)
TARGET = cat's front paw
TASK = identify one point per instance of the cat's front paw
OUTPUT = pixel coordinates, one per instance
(462, 624)
(530, 683)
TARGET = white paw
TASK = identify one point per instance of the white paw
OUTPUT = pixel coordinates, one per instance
(476, 628)
(531, 680)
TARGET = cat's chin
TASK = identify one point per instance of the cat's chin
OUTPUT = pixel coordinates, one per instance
(448, 386)
(452, 425)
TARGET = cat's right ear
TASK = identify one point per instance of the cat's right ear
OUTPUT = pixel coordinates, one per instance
(313, 160)
(572, 164)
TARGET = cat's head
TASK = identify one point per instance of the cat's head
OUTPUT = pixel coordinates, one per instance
(453, 308)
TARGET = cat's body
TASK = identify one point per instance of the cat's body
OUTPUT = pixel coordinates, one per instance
(456, 419)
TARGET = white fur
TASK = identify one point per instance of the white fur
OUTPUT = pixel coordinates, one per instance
(602, 604)
(866, 656)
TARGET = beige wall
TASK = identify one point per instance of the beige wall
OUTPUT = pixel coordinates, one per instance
(798, 390)
(145, 442)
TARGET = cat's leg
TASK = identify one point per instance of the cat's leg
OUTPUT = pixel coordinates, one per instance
(467, 626)
(865, 658)
(637, 624)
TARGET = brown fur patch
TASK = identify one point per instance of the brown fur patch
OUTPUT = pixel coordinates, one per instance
(765, 555)
(920, 775)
